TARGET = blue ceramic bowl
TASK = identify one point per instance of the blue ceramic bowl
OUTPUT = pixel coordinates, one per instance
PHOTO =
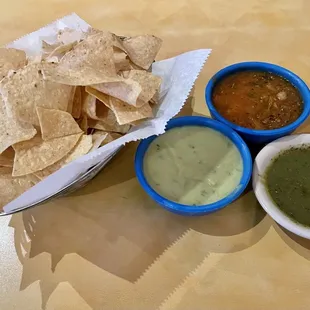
(260, 136)
(187, 209)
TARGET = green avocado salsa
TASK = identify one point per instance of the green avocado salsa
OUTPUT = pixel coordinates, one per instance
(288, 183)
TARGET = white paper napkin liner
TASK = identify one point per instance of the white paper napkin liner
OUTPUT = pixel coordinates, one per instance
(31, 43)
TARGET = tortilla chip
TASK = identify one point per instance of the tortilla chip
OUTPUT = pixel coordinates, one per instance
(6, 170)
(95, 51)
(124, 113)
(61, 50)
(97, 138)
(27, 89)
(155, 99)
(115, 40)
(68, 36)
(60, 73)
(135, 67)
(104, 113)
(35, 59)
(83, 122)
(142, 50)
(66, 40)
(12, 187)
(92, 31)
(96, 110)
(101, 125)
(7, 158)
(89, 62)
(56, 123)
(82, 147)
(121, 60)
(37, 154)
(70, 103)
(126, 90)
(101, 138)
(150, 83)
(137, 123)
(12, 131)
(47, 48)
(77, 103)
(124, 74)
(111, 137)
(11, 59)
(89, 105)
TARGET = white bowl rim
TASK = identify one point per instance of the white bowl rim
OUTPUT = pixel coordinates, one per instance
(261, 162)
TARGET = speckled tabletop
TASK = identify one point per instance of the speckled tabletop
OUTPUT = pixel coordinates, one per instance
(108, 246)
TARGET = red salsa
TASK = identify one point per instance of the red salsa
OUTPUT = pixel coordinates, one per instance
(257, 100)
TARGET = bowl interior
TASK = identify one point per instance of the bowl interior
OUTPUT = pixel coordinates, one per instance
(267, 67)
(261, 162)
(196, 210)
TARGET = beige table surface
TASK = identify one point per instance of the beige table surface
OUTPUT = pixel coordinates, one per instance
(108, 246)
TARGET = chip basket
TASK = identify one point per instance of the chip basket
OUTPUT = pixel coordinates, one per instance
(76, 184)
(73, 186)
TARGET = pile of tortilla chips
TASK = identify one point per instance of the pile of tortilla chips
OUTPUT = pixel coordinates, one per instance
(86, 90)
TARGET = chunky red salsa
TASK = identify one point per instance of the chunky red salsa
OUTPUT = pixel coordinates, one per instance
(257, 100)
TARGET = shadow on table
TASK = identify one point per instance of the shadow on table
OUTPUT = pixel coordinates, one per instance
(119, 170)
(115, 226)
(124, 236)
(298, 244)
(237, 218)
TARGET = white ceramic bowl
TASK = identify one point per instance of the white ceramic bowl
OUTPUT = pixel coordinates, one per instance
(262, 161)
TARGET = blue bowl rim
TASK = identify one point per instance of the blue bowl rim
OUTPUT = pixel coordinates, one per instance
(203, 209)
(261, 66)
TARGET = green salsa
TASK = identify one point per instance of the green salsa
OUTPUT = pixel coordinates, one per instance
(288, 183)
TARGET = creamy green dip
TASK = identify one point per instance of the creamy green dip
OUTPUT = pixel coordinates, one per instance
(288, 183)
(193, 165)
